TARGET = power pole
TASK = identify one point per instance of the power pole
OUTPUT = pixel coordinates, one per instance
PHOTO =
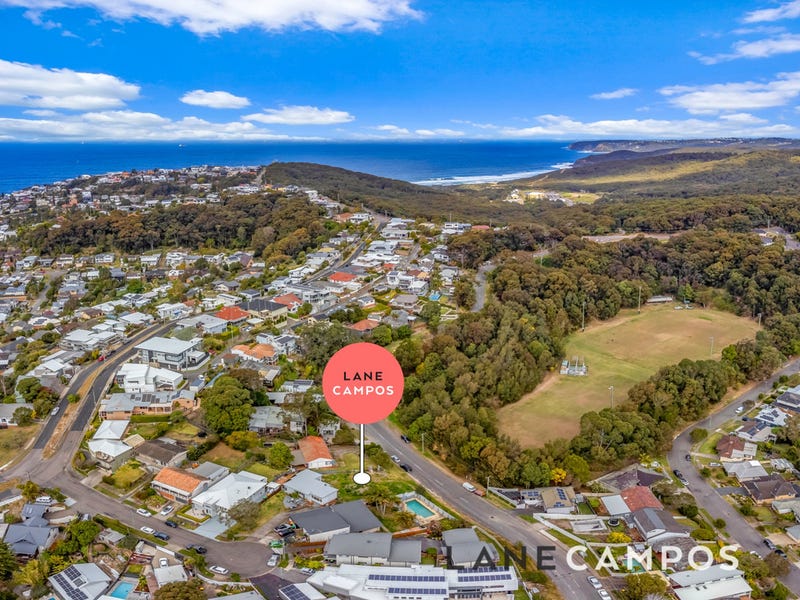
(639, 304)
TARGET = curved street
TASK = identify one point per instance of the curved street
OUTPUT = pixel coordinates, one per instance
(737, 526)
(249, 559)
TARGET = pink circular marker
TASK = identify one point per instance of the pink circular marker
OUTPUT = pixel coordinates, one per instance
(363, 383)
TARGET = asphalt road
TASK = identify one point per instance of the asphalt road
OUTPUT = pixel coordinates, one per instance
(248, 560)
(481, 289)
(504, 523)
(736, 525)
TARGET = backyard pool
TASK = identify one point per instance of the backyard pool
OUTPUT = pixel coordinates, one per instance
(419, 509)
(122, 590)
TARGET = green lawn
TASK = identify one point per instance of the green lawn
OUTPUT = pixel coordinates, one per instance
(13, 439)
(127, 475)
(620, 353)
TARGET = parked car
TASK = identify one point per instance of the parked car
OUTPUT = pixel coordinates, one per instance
(44, 500)
(688, 457)
(54, 411)
(163, 562)
(469, 487)
(308, 571)
(603, 594)
(780, 552)
(170, 523)
(405, 439)
(161, 535)
(197, 548)
(147, 529)
(739, 410)
(769, 544)
(144, 513)
(273, 560)
(406, 468)
(218, 570)
(395, 458)
(595, 582)
(167, 509)
(677, 473)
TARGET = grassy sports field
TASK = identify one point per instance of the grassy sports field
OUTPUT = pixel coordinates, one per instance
(620, 353)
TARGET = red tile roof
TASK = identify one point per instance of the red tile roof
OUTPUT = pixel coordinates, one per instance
(314, 447)
(365, 325)
(178, 479)
(640, 496)
(232, 313)
(288, 300)
(342, 277)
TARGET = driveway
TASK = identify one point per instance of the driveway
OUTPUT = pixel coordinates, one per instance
(211, 528)
(708, 497)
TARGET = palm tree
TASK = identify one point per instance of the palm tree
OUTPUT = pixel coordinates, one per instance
(380, 495)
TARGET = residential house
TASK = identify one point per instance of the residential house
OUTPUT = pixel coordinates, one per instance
(639, 497)
(233, 315)
(84, 340)
(364, 326)
(172, 353)
(715, 582)
(373, 549)
(321, 524)
(208, 324)
(159, 453)
(137, 377)
(173, 311)
(176, 484)
(81, 581)
(260, 353)
(734, 448)
(236, 487)
(264, 308)
(772, 416)
(407, 302)
(766, 489)
(270, 419)
(169, 574)
(790, 399)
(308, 485)
(354, 582)
(314, 453)
(756, 432)
(283, 344)
(7, 418)
(558, 500)
(32, 536)
(464, 548)
(106, 445)
(123, 405)
(291, 301)
(745, 470)
(656, 525)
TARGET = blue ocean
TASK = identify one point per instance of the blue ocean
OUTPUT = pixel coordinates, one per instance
(427, 163)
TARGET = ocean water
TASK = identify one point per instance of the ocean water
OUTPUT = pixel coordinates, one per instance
(427, 163)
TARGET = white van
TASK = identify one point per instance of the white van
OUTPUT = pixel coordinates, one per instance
(44, 500)
(468, 486)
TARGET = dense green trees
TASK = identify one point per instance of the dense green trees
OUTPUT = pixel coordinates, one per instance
(227, 406)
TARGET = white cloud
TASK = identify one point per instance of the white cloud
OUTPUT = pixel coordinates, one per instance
(301, 115)
(782, 44)
(787, 10)
(128, 125)
(393, 129)
(561, 126)
(40, 112)
(726, 97)
(22, 84)
(616, 94)
(438, 132)
(214, 99)
(210, 17)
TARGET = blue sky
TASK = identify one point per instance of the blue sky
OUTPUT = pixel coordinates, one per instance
(397, 69)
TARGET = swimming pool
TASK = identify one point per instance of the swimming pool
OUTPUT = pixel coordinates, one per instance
(419, 509)
(122, 590)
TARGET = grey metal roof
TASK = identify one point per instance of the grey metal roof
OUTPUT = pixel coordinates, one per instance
(357, 515)
(376, 545)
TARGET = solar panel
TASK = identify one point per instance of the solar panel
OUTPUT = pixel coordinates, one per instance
(72, 573)
(381, 577)
(293, 592)
(419, 591)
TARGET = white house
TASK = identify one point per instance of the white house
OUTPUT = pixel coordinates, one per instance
(137, 377)
(236, 487)
(309, 485)
(171, 352)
